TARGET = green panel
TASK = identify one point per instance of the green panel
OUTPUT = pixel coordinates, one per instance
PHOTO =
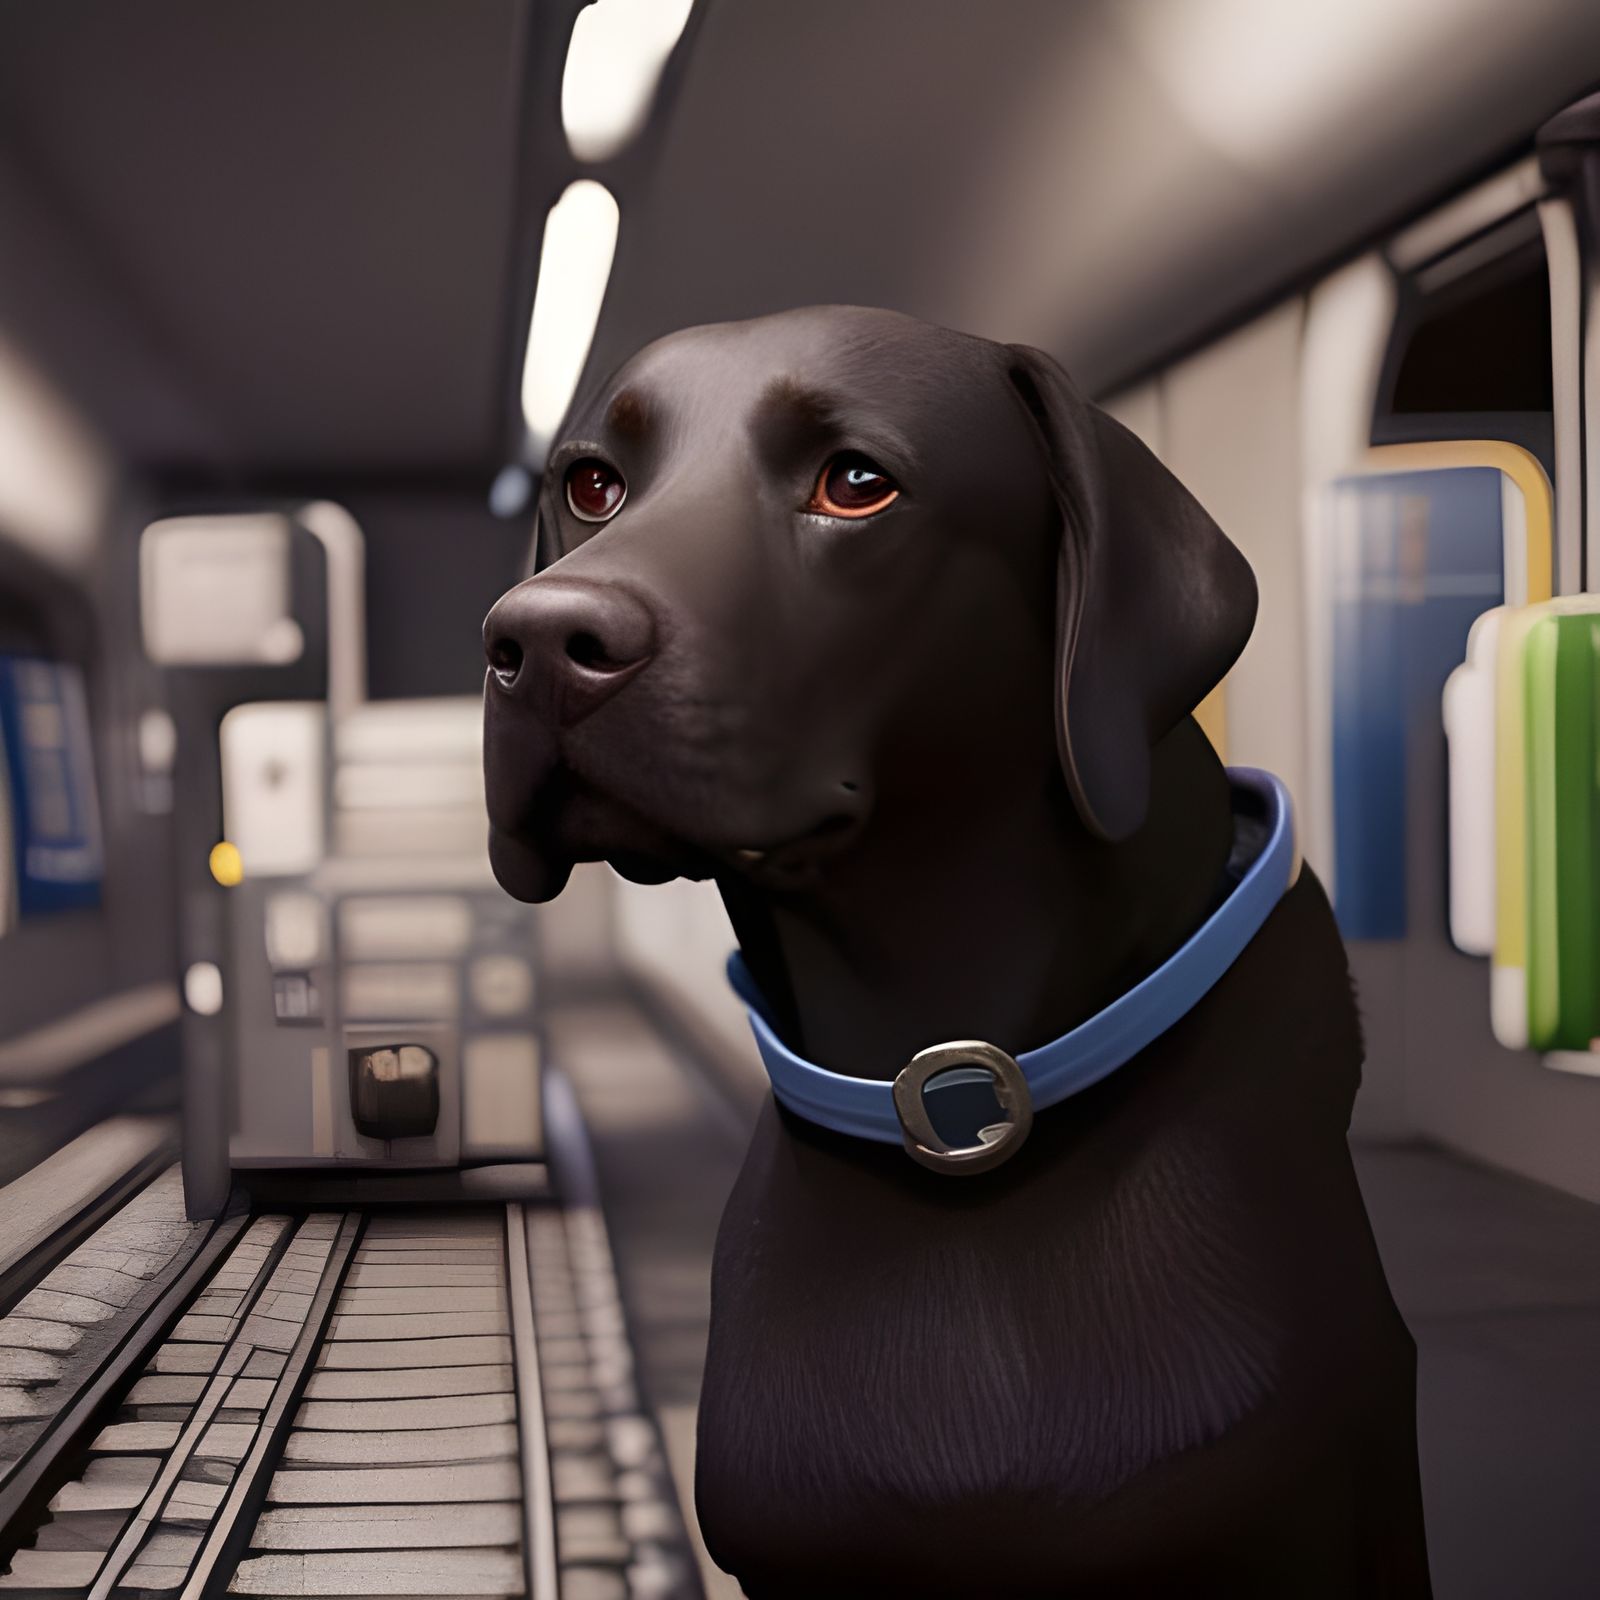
(1562, 679)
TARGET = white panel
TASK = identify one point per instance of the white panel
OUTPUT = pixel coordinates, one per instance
(449, 727)
(296, 930)
(676, 937)
(391, 786)
(422, 832)
(577, 942)
(214, 590)
(1348, 317)
(1469, 722)
(500, 1097)
(384, 993)
(1347, 322)
(272, 785)
(384, 927)
(1230, 420)
(501, 985)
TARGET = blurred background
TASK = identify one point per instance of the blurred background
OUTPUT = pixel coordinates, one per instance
(293, 298)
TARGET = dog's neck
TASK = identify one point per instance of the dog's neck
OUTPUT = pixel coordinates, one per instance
(1027, 929)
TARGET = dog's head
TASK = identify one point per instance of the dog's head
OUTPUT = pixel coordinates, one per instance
(836, 574)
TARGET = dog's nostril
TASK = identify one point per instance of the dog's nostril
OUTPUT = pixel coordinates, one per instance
(505, 656)
(589, 652)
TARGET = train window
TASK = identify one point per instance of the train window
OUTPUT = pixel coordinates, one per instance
(1482, 343)
(1469, 356)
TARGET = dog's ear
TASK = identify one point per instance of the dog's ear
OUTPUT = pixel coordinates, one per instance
(1153, 604)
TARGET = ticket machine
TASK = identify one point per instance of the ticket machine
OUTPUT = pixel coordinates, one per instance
(360, 997)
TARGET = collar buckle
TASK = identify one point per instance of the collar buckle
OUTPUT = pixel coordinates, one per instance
(998, 1142)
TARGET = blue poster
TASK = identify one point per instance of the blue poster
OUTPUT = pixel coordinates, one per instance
(55, 822)
(1416, 557)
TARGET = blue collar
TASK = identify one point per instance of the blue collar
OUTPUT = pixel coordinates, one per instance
(1265, 864)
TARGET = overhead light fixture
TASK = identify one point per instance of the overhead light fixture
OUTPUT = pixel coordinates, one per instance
(580, 238)
(614, 62)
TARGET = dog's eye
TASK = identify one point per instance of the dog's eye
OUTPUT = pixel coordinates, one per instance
(853, 485)
(595, 489)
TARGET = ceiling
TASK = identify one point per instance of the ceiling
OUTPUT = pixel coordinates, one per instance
(267, 237)
(295, 241)
(1116, 180)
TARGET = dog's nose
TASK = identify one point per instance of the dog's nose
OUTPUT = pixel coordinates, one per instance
(576, 642)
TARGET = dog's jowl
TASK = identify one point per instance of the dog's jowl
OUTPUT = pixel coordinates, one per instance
(1046, 1273)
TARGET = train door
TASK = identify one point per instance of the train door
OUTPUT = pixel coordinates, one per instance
(1446, 512)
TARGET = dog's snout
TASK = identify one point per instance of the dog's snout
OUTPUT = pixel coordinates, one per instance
(578, 643)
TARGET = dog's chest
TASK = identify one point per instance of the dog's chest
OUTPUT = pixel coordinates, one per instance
(883, 1352)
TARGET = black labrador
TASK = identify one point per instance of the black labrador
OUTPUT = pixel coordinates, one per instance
(893, 635)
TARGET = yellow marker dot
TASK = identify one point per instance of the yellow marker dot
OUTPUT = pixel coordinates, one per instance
(227, 866)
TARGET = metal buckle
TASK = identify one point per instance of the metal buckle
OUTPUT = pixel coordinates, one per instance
(997, 1143)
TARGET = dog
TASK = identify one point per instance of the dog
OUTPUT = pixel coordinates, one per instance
(889, 632)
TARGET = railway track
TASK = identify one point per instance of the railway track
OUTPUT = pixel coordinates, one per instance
(421, 1403)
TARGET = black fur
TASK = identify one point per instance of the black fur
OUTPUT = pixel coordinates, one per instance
(940, 764)
(1153, 1354)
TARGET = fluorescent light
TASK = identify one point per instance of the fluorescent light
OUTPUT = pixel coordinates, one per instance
(614, 62)
(580, 237)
